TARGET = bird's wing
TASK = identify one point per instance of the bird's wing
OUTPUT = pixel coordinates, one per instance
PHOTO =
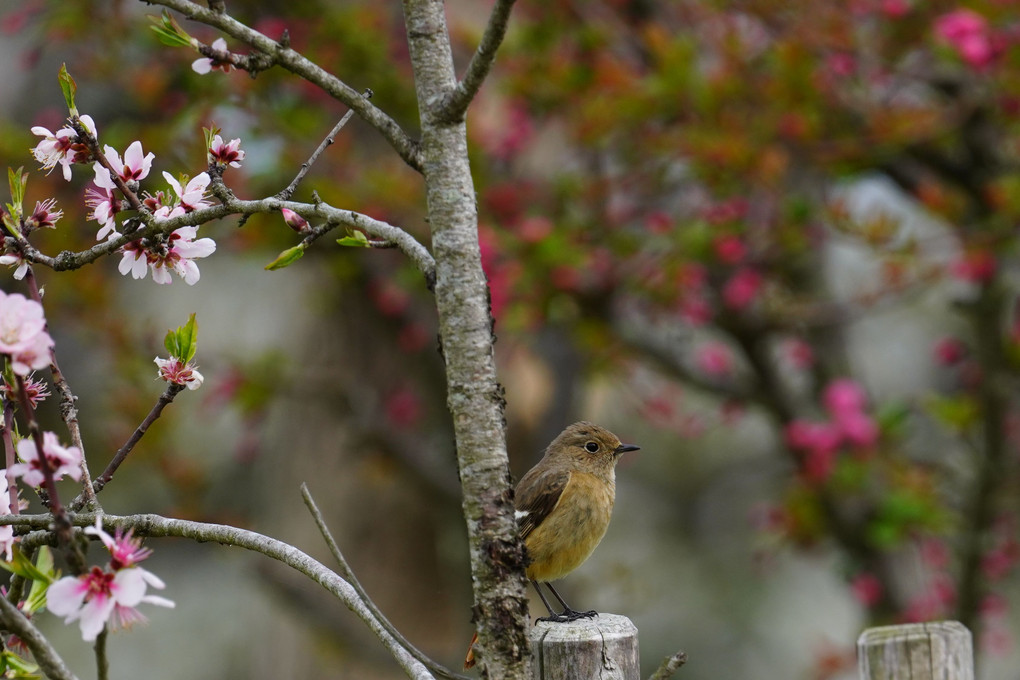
(536, 497)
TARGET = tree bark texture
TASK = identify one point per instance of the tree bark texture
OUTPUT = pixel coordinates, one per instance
(474, 397)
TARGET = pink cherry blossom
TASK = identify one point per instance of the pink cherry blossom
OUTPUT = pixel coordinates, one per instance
(99, 597)
(125, 549)
(173, 370)
(133, 260)
(35, 390)
(61, 460)
(177, 253)
(21, 320)
(32, 357)
(103, 202)
(12, 259)
(183, 249)
(226, 153)
(135, 166)
(43, 216)
(190, 197)
(61, 147)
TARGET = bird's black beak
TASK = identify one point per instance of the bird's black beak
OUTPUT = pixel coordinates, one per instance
(624, 448)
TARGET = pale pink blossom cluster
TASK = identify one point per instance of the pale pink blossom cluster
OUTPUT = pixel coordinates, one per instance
(107, 597)
(849, 425)
(177, 251)
(114, 174)
(23, 336)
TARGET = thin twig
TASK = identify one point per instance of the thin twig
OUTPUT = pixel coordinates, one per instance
(171, 391)
(102, 662)
(157, 526)
(47, 658)
(348, 574)
(286, 194)
(10, 456)
(68, 408)
(669, 666)
(478, 68)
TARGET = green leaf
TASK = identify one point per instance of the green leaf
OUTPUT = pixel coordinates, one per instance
(36, 599)
(183, 342)
(286, 258)
(892, 416)
(354, 239)
(18, 180)
(21, 668)
(210, 133)
(69, 88)
(169, 31)
(23, 567)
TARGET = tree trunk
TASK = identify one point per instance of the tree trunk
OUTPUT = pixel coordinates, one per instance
(474, 397)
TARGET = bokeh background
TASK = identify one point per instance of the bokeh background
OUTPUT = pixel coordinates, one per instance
(774, 247)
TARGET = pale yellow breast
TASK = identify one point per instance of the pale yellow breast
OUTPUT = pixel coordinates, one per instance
(573, 529)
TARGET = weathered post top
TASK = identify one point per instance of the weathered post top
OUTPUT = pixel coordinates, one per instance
(604, 647)
(916, 651)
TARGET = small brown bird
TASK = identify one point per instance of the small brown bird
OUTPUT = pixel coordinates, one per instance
(563, 506)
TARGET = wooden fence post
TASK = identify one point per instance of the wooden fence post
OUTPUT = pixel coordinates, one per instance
(603, 647)
(916, 651)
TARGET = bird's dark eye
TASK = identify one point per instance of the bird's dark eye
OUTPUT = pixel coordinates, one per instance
(591, 447)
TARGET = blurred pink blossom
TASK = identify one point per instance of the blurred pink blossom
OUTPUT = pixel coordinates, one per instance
(866, 589)
(742, 288)
(844, 396)
(949, 351)
(968, 33)
(714, 359)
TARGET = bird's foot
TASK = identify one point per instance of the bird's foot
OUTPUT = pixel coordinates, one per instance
(568, 615)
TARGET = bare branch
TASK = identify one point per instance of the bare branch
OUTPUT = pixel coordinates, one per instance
(306, 166)
(68, 409)
(294, 62)
(348, 573)
(478, 68)
(47, 658)
(102, 661)
(172, 390)
(157, 526)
